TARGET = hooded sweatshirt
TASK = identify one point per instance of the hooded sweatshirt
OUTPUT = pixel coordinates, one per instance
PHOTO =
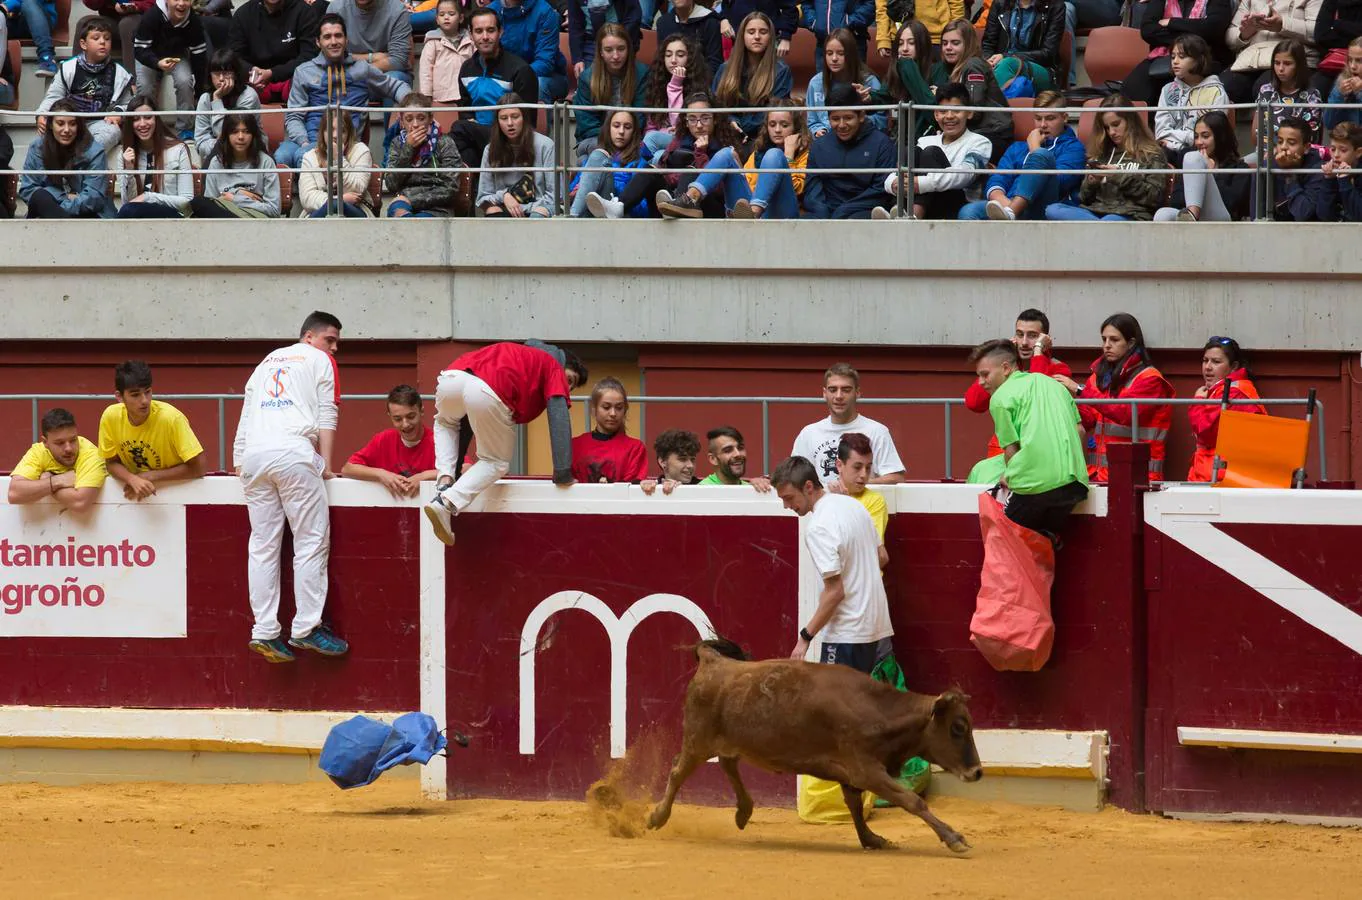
(1133, 196)
(1305, 194)
(351, 81)
(92, 88)
(702, 27)
(1176, 128)
(441, 60)
(1069, 153)
(589, 120)
(868, 149)
(530, 31)
(279, 41)
(158, 39)
(384, 28)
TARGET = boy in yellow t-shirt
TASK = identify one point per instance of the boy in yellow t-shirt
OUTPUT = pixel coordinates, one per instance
(146, 442)
(62, 465)
(855, 463)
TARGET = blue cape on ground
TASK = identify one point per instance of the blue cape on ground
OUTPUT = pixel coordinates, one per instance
(359, 750)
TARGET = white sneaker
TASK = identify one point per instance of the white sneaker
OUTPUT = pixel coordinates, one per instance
(441, 519)
(999, 212)
(880, 214)
(661, 197)
(602, 208)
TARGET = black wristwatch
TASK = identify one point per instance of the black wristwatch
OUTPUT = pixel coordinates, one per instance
(805, 636)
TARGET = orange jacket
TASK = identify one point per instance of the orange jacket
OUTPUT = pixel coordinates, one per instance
(1109, 423)
(1206, 421)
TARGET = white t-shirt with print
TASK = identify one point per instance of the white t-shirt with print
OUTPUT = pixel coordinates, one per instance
(818, 444)
(842, 540)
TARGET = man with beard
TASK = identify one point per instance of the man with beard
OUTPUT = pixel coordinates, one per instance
(728, 456)
(401, 457)
(63, 465)
(676, 451)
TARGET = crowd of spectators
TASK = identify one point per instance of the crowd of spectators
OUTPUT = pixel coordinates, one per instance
(1299, 60)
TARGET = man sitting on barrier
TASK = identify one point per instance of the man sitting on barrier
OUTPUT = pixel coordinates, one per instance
(676, 452)
(485, 394)
(63, 465)
(728, 456)
(145, 442)
(818, 441)
(1034, 344)
(1037, 425)
(401, 457)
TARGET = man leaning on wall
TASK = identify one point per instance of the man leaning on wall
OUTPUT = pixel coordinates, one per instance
(63, 465)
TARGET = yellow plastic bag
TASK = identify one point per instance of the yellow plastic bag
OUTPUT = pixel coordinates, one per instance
(821, 803)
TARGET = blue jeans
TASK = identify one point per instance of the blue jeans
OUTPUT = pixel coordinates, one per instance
(34, 24)
(349, 210)
(290, 155)
(654, 142)
(1067, 212)
(1039, 191)
(602, 183)
(649, 8)
(402, 205)
(775, 191)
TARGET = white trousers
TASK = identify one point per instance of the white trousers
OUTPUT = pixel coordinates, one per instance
(285, 484)
(459, 394)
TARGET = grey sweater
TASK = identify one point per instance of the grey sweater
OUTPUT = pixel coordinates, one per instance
(208, 120)
(385, 28)
(493, 183)
(222, 179)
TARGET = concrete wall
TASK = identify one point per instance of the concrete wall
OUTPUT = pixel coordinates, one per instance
(916, 284)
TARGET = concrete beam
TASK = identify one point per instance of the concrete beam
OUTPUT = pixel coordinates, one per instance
(862, 283)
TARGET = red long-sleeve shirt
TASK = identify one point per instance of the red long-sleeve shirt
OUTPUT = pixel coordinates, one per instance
(976, 398)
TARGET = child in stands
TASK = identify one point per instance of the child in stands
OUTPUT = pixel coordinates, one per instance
(93, 81)
(958, 153)
(765, 193)
(66, 145)
(962, 62)
(505, 188)
(596, 191)
(229, 193)
(1193, 91)
(842, 64)
(678, 72)
(171, 41)
(606, 454)
(907, 79)
(1289, 94)
(1122, 143)
(1301, 192)
(1347, 88)
(149, 143)
(421, 145)
(1052, 144)
(227, 73)
(444, 52)
(337, 146)
(1345, 149)
(1219, 190)
(753, 75)
(614, 78)
(700, 133)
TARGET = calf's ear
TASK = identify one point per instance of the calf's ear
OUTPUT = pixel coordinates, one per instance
(945, 702)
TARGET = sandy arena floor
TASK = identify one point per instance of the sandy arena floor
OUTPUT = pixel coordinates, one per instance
(313, 840)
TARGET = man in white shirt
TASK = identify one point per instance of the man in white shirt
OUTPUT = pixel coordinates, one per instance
(282, 454)
(852, 618)
(818, 441)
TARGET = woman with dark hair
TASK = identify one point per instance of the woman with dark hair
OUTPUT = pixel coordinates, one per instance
(65, 145)
(1220, 190)
(1222, 361)
(842, 64)
(1160, 22)
(150, 144)
(908, 78)
(678, 72)
(231, 92)
(753, 75)
(506, 187)
(1123, 372)
(228, 191)
(1288, 92)
(619, 150)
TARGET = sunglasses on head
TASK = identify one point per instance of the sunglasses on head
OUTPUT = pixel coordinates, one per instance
(1222, 341)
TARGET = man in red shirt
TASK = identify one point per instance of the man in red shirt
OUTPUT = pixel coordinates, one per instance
(485, 394)
(1034, 346)
(401, 457)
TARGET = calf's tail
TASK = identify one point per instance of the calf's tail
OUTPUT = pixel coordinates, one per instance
(721, 646)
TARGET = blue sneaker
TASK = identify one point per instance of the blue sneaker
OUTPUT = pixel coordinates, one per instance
(321, 640)
(47, 67)
(274, 650)
(187, 135)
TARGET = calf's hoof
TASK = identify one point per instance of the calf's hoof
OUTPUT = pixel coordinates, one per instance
(873, 841)
(657, 819)
(959, 845)
(743, 816)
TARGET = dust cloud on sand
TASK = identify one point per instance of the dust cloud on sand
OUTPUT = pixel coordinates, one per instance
(620, 802)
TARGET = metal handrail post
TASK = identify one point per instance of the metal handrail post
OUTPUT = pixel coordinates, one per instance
(222, 434)
(1265, 157)
(560, 116)
(899, 152)
(1323, 468)
(947, 408)
(765, 438)
(35, 420)
(910, 151)
(1134, 423)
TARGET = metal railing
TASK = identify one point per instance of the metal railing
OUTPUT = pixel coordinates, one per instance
(947, 404)
(560, 117)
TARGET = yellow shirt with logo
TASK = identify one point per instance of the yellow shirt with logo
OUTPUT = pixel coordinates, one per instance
(879, 512)
(162, 441)
(89, 465)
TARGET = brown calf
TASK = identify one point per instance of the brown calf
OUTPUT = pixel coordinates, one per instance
(830, 722)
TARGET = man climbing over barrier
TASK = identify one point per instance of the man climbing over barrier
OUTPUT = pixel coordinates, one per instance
(485, 394)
